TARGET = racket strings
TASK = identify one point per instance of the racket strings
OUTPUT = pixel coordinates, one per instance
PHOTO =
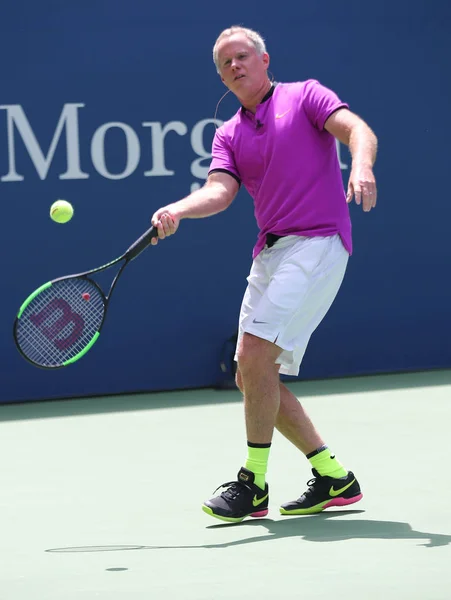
(60, 321)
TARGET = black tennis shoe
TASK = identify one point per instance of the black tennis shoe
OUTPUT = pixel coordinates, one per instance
(240, 499)
(324, 492)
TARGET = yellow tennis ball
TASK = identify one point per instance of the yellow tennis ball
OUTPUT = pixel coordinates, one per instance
(61, 211)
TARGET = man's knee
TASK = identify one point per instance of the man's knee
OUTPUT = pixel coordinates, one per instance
(255, 353)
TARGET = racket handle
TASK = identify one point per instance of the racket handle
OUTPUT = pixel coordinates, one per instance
(141, 243)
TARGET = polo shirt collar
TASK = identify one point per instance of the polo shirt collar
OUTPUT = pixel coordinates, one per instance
(267, 96)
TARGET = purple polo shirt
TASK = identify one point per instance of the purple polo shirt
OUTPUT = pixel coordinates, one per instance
(288, 162)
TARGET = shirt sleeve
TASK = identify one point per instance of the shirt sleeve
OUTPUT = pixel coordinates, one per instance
(222, 158)
(319, 102)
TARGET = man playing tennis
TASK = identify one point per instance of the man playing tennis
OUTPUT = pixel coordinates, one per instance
(281, 146)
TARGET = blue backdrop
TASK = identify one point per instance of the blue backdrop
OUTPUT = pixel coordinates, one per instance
(110, 105)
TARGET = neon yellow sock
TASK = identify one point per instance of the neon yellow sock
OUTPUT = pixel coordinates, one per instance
(326, 464)
(257, 462)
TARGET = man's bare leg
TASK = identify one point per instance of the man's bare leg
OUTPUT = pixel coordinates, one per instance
(259, 382)
(294, 423)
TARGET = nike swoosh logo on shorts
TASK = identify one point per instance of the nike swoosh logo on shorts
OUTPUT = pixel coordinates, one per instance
(257, 322)
(333, 492)
(257, 501)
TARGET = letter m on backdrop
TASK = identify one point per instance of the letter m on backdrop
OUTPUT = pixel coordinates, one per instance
(17, 122)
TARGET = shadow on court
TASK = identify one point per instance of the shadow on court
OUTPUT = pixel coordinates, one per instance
(206, 396)
(325, 527)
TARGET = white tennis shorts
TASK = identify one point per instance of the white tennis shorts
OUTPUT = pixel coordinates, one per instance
(291, 286)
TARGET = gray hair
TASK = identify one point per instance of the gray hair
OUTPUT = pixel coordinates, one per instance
(253, 36)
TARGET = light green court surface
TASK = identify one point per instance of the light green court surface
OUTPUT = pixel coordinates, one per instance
(101, 498)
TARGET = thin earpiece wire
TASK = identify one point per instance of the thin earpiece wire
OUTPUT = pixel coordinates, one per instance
(217, 106)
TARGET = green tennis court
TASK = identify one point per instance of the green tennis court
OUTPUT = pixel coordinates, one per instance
(101, 497)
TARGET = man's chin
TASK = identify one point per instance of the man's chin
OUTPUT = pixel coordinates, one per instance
(241, 85)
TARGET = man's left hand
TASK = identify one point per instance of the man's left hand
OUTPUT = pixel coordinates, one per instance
(362, 186)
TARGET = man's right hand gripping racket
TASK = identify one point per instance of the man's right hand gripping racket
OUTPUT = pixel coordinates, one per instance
(61, 320)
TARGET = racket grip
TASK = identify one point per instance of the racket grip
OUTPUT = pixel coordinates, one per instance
(141, 243)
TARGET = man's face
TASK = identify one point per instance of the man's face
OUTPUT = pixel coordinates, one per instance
(241, 68)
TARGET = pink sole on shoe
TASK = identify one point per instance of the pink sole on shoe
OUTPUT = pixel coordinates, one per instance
(343, 501)
(262, 513)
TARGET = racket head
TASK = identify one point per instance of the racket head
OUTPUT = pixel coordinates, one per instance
(60, 321)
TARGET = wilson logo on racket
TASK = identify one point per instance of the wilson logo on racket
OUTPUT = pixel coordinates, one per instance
(68, 317)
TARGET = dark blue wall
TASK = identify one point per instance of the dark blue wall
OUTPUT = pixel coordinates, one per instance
(142, 62)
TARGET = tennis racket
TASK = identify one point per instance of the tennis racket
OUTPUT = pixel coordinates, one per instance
(61, 320)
